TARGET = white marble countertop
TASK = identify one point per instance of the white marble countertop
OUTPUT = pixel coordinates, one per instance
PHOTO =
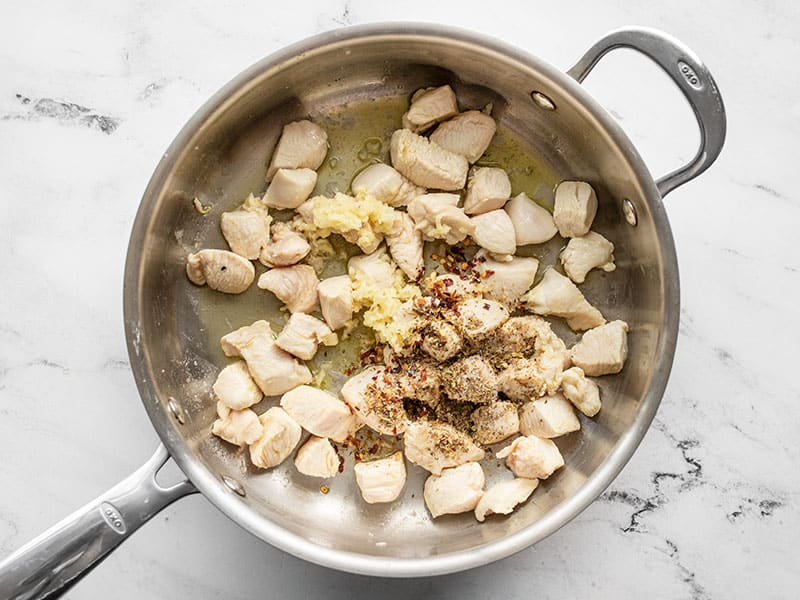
(92, 93)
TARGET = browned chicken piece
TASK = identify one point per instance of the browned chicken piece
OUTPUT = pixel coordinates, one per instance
(522, 380)
(222, 270)
(285, 248)
(501, 498)
(240, 427)
(470, 379)
(317, 458)
(476, 317)
(494, 231)
(581, 391)
(303, 333)
(548, 417)
(495, 422)
(602, 350)
(575, 208)
(385, 184)
(280, 435)
(405, 245)
(295, 286)
(235, 387)
(488, 188)
(468, 134)
(374, 397)
(556, 295)
(582, 254)
(426, 164)
(415, 380)
(533, 224)
(273, 370)
(441, 340)
(506, 281)
(430, 106)
(381, 480)
(302, 145)
(246, 229)
(290, 188)
(320, 413)
(437, 446)
(456, 490)
(336, 300)
(532, 457)
(438, 217)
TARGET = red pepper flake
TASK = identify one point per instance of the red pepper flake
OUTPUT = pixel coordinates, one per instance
(341, 464)
(372, 449)
(394, 431)
(485, 306)
(423, 376)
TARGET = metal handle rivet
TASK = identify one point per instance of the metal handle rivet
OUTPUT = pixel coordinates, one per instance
(233, 485)
(175, 409)
(629, 210)
(543, 101)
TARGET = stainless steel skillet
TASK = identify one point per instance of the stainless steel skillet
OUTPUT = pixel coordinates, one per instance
(220, 154)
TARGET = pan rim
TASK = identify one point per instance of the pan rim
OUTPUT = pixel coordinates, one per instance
(365, 564)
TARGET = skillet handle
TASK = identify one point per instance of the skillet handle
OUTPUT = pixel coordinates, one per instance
(690, 75)
(47, 566)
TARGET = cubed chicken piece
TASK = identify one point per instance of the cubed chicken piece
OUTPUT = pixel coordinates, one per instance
(441, 340)
(336, 300)
(285, 248)
(320, 413)
(476, 317)
(495, 232)
(238, 427)
(436, 446)
(522, 380)
(295, 286)
(246, 229)
(235, 387)
(532, 457)
(274, 370)
(548, 417)
(290, 188)
(455, 490)
(468, 134)
(405, 246)
(488, 188)
(503, 497)
(533, 224)
(417, 380)
(556, 295)
(518, 339)
(302, 334)
(581, 391)
(374, 397)
(602, 350)
(279, 437)
(506, 281)
(385, 184)
(303, 145)
(495, 422)
(222, 270)
(317, 458)
(381, 480)
(438, 217)
(575, 208)
(376, 268)
(430, 106)
(470, 379)
(585, 253)
(427, 164)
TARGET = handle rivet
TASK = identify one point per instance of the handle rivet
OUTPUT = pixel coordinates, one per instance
(543, 101)
(176, 410)
(629, 210)
(233, 485)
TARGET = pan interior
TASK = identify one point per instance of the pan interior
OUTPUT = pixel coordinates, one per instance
(357, 89)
